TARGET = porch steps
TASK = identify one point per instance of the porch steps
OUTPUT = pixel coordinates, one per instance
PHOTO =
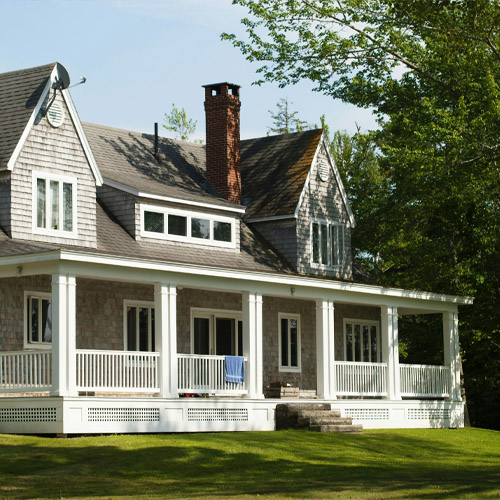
(317, 417)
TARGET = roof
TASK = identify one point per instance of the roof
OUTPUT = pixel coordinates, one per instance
(127, 158)
(20, 92)
(113, 240)
(274, 170)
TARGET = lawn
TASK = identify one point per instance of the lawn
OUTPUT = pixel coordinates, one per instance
(429, 464)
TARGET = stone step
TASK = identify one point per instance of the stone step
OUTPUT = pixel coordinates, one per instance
(325, 420)
(292, 407)
(315, 413)
(337, 428)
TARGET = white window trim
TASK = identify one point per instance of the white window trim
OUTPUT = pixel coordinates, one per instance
(298, 368)
(211, 315)
(136, 303)
(166, 211)
(47, 176)
(361, 322)
(47, 346)
(341, 258)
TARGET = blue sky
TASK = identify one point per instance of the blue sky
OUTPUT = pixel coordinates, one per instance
(140, 56)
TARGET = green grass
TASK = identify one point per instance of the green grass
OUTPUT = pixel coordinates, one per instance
(429, 464)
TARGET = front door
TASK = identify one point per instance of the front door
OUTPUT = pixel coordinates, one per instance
(217, 334)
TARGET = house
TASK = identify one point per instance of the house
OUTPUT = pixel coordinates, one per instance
(131, 266)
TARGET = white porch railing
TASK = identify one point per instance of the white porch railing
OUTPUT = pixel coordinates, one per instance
(121, 371)
(424, 380)
(26, 371)
(205, 374)
(361, 379)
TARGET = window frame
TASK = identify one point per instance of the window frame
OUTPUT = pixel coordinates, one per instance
(212, 315)
(289, 368)
(27, 321)
(61, 179)
(340, 256)
(138, 304)
(363, 322)
(166, 211)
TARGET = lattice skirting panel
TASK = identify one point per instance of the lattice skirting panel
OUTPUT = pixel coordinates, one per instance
(123, 414)
(429, 413)
(10, 415)
(367, 413)
(217, 415)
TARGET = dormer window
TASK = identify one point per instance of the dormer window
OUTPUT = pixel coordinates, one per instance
(193, 227)
(54, 205)
(327, 243)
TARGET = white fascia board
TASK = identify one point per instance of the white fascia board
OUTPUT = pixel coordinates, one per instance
(252, 276)
(339, 180)
(142, 194)
(268, 219)
(31, 121)
(83, 138)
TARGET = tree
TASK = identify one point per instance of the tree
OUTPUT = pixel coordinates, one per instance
(178, 122)
(431, 71)
(285, 120)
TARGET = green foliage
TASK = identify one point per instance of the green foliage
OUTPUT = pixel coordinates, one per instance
(412, 463)
(428, 214)
(285, 120)
(177, 122)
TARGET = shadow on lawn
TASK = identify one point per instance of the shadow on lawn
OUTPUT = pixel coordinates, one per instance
(289, 463)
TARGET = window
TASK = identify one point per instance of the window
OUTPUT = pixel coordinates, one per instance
(54, 205)
(289, 342)
(361, 341)
(38, 320)
(216, 332)
(139, 326)
(327, 242)
(193, 227)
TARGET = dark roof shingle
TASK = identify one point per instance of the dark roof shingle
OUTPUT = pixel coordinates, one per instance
(20, 92)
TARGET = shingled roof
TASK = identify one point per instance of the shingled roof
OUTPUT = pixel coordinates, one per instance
(127, 158)
(274, 170)
(20, 92)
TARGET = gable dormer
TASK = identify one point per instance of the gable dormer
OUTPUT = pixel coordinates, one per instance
(296, 200)
(50, 176)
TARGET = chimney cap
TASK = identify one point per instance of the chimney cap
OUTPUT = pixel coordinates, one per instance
(231, 85)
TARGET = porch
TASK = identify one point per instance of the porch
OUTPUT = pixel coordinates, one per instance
(175, 367)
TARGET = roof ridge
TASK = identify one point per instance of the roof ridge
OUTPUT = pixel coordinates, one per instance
(26, 70)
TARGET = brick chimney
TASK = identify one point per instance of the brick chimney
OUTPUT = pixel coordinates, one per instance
(222, 113)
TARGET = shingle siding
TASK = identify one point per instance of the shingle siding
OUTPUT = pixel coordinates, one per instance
(121, 205)
(53, 151)
(322, 200)
(282, 236)
(5, 205)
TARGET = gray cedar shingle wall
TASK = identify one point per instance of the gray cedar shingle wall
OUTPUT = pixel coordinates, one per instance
(55, 151)
(121, 205)
(322, 200)
(5, 205)
(282, 236)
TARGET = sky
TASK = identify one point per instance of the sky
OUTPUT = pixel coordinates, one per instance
(141, 56)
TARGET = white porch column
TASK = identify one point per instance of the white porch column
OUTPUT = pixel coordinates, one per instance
(252, 343)
(166, 338)
(325, 349)
(63, 306)
(452, 353)
(390, 350)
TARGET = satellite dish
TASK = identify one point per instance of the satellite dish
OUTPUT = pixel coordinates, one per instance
(62, 81)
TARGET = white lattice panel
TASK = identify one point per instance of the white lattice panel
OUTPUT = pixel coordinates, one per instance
(367, 413)
(123, 415)
(217, 414)
(27, 414)
(428, 413)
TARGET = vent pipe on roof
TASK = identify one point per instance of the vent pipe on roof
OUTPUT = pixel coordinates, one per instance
(156, 140)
